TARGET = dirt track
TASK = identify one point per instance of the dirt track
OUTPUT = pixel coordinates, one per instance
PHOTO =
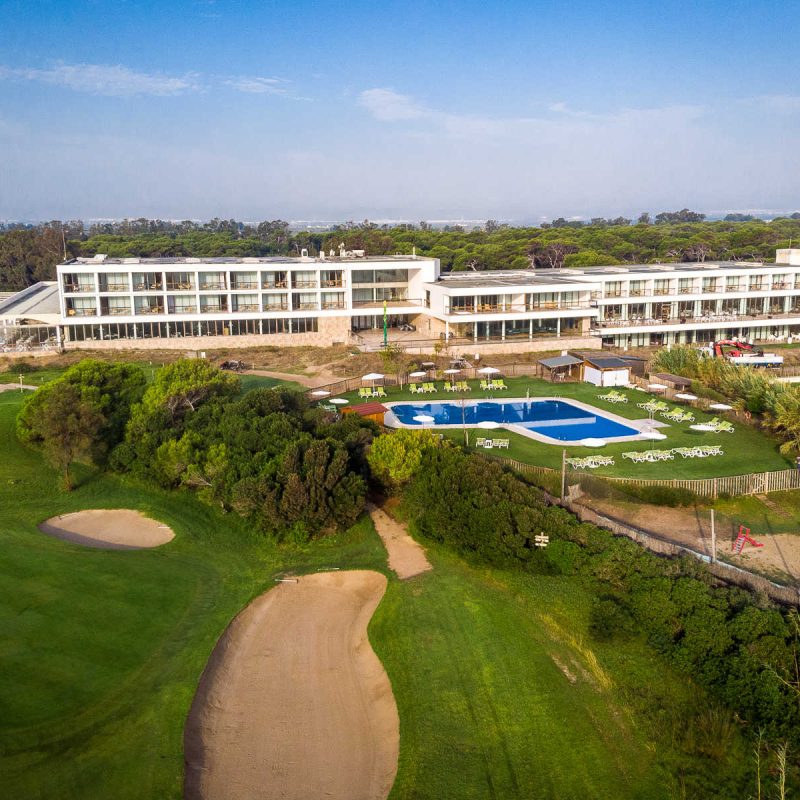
(406, 557)
(108, 529)
(294, 704)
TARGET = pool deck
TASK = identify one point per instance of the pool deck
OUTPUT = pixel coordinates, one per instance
(641, 425)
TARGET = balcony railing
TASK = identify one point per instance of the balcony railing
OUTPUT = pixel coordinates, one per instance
(723, 318)
(686, 290)
(213, 309)
(118, 311)
(304, 284)
(516, 308)
(150, 310)
(279, 307)
(244, 285)
(77, 288)
(777, 286)
(183, 310)
(114, 287)
(180, 287)
(275, 285)
(333, 284)
(147, 287)
(661, 292)
(330, 305)
(306, 306)
(756, 288)
(81, 312)
(247, 307)
(712, 289)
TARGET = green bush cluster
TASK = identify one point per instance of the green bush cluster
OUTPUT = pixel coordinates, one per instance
(754, 391)
(745, 653)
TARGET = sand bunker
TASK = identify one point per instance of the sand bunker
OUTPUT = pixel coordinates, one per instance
(294, 703)
(116, 529)
(406, 557)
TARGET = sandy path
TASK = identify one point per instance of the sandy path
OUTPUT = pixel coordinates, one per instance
(294, 703)
(406, 557)
(114, 529)
(310, 381)
(9, 387)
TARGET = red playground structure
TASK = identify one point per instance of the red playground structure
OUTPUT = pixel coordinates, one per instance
(744, 538)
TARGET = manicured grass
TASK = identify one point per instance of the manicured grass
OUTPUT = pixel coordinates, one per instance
(746, 450)
(482, 663)
(102, 651)
(249, 382)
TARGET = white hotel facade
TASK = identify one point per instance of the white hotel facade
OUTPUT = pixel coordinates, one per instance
(188, 302)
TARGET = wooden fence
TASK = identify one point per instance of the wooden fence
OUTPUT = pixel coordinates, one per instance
(753, 483)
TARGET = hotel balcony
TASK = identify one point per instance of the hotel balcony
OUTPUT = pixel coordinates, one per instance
(722, 319)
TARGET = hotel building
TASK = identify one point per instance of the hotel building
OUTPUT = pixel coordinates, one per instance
(325, 300)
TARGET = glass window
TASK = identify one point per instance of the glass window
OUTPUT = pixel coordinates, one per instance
(304, 280)
(363, 276)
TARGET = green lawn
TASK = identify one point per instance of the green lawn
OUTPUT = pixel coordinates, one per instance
(249, 382)
(745, 450)
(102, 651)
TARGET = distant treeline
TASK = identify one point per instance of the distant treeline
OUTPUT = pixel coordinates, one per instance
(30, 253)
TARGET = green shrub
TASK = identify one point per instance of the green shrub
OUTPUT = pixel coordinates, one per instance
(663, 495)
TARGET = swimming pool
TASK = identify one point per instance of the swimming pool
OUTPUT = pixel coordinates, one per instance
(544, 418)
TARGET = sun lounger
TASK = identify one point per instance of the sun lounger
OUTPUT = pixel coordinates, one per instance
(364, 394)
(500, 384)
(450, 387)
(464, 386)
(501, 443)
(379, 392)
(414, 388)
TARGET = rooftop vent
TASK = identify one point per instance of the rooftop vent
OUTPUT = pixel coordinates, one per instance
(130, 260)
(99, 258)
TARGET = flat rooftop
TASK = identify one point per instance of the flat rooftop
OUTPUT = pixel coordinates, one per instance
(500, 280)
(242, 260)
(654, 269)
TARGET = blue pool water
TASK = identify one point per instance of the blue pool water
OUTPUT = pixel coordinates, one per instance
(557, 419)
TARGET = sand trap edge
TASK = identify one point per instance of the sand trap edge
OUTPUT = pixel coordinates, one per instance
(108, 529)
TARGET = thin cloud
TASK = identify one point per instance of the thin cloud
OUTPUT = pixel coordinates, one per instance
(390, 106)
(110, 80)
(257, 85)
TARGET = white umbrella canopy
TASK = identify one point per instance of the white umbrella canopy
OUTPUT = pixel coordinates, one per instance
(656, 387)
(320, 393)
(653, 436)
(488, 425)
(451, 371)
(372, 376)
(591, 442)
(417, 374)
(686, 396)
(721, 407)
(339, 401)
(489, 370)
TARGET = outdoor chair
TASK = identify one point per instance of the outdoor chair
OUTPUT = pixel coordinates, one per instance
(500, 384)
(414, 388)
(364, 394)
(450, 387)
(485, 386)
(501, 443)
(464, 386)
(379, 392)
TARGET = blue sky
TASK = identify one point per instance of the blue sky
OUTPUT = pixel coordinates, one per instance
(412, 110)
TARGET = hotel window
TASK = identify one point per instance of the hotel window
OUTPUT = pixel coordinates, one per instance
(118, 306)
(397, 293)
(245, 302)
(685, 285)
(148, 304)
(304, 325)
(75, 282)
(333, 300)
(181, 304)
(114, 282)
(147, 281)
(244, 280)
(276, 302)
(780, 282)
(180, 281)
(710, 285)
(732, 284)
(637, 288)
(273, 280)
(212, 280)
(756, 283)
(304, 300)
(304, 280)
(613, 289)
(280, 325)
(391, 276)
(661, 286)
(363, 276)
(331, 278)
